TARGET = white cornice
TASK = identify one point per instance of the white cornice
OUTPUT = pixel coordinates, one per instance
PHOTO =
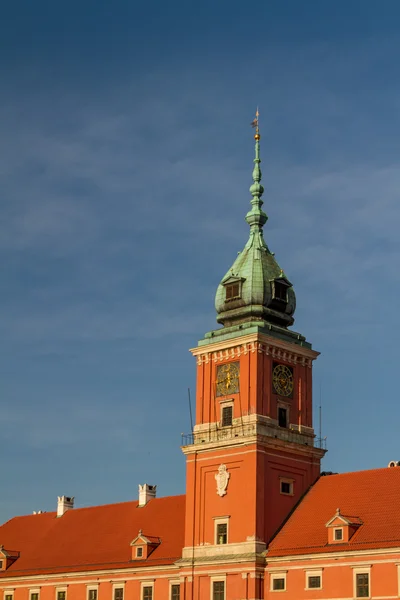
(257, 342)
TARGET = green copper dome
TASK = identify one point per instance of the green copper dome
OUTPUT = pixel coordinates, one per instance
(255, 289)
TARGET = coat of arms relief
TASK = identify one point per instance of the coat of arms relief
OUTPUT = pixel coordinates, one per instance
(222, 478)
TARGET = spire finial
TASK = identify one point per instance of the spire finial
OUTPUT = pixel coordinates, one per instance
(255, 123)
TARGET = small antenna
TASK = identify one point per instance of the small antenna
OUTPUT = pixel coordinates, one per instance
(320, 412)
(190, 411)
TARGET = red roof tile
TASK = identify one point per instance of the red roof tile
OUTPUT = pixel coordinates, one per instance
(94, 538)
(372, 497)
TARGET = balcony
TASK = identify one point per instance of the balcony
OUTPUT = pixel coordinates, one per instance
(258, 426)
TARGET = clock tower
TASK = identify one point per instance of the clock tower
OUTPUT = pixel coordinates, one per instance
(253, 452)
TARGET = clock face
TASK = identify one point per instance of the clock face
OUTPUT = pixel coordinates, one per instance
(282, 380)
(228, 379)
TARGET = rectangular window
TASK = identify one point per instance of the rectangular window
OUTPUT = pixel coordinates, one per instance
(218, 590)
(175, 591)
(287, 488)
(232, 291)
(61, 595)
(280, 291)
(282, 417)
(139, 552)
(147, 592)
(119, 593)
(92, 594)
(314, 582)
(1, 564)
(227, 416)
(8, 597)
(338, 535)
(222, 533)
(362, 585)
(278, 583)
(34, 596)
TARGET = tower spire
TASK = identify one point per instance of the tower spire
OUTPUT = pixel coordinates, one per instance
(256, 217)
(255, 290)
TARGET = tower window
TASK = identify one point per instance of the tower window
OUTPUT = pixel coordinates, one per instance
(232, 290)
(282, 416)
(227, 416)
(222, 533)
(286, 487)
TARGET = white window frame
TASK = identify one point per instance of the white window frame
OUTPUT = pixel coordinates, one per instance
(8, 593)
(314, 573)
(171, 583)
(224, 404)
(214, 580)
(359, 570)
(398, 578)
(144, 584)
(116, 586)
(61, 589)
(273, 577)
(290, 482)
(89, 588)
(138, 548)
(335, 529)
(221, 521)
(34, 591)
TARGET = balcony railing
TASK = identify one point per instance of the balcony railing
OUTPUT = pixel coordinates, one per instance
(216, 434)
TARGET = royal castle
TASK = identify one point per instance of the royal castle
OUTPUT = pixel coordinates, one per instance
(259, 519)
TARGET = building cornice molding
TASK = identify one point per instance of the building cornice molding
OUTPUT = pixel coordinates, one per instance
(331, 555)
(83, 575)
(249, 344)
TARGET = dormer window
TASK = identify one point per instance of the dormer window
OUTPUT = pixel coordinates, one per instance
(232, 291)
(338, 534)
(143, 546)
(341, 528)
(280, 291)
(233, 287)
(7, 557)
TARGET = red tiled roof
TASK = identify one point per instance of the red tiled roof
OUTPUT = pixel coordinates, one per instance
(94, 538)
(371, 496)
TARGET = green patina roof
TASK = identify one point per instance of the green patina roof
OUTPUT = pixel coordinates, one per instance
(256, 276)
(257, 272)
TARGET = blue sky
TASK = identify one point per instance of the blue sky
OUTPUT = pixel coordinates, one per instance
(126, 157)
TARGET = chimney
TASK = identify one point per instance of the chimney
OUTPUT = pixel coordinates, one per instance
(146, 493)
(64, 503)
